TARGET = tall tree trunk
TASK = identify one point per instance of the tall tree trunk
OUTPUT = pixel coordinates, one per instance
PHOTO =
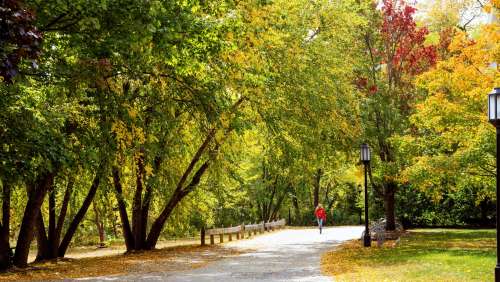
(122, 208)
(316, 187)
(35, 200)
(99, 225)
(267, 213)
(260, 208)
(64, 210)
(52, 243)
(277, 207)
(5, 252)
(73, 226)
(137, 204)
(181, 190)
(296, 207)
(43, 250)
(158, 224)
(147, 201)
(146, 204)
(47, 245)
(113, 225)
(178, 195)
(389, 201)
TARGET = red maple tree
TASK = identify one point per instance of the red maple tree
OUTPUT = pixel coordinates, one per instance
(20, 39)
(404, 49)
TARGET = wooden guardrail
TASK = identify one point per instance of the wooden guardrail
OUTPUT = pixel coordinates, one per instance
(240, 230)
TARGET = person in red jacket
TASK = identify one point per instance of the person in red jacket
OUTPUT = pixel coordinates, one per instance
(320, 216)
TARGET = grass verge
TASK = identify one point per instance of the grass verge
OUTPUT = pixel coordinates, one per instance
(422, 255)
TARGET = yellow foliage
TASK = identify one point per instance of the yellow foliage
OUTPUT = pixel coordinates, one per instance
(219, 136)
(149, 170)
(132, 112)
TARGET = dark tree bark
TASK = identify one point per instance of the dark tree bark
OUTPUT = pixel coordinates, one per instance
(100, 226)
(52, 243)
(269, 205)
(137, 205)
(73, 226)
(178, 195)
(317, 180)
(64, 209)
(43, 251)
(35, 199)
(389, 187)
(158, 224)
(51, 246)
(122, 208)
(5, 252)
(389, 202)
(296, 206)
(261, 208)
(181, 189)
(277, 207)
(147, 202)
(180, 192)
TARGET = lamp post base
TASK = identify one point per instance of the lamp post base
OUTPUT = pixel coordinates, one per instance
(497, 273)
(367, 242)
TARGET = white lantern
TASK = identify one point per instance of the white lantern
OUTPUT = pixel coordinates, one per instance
(494, 106)
(365, 155)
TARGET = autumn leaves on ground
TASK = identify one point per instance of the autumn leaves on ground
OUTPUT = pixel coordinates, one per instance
(157, 261)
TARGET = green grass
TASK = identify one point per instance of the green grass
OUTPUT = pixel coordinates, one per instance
(423, 255)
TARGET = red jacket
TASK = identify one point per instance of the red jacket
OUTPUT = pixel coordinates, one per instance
(320, 213)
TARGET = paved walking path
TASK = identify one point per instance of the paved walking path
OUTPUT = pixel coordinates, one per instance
(287, 255)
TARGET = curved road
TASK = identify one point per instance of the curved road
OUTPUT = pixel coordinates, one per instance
(287, 255)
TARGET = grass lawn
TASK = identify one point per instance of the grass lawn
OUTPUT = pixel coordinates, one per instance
(422, 255)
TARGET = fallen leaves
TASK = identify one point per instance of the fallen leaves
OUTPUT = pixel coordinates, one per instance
(163, 260)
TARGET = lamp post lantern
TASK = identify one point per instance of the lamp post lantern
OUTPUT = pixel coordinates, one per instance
(494, 118)
(365, 157)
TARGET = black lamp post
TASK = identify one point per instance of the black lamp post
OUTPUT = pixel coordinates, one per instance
(494, 118)
(359, 189)
(365, 158)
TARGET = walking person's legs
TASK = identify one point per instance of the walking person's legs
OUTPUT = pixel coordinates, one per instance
(320, 224)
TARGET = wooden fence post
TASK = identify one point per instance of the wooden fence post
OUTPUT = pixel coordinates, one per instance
(202, 235)
(211, 239)
(243, 231)
(221, 237)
